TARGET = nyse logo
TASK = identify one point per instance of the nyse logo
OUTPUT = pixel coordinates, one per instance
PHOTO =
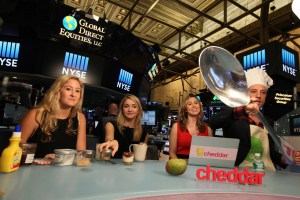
(9, 53)
(288, 62)
(256, 59)
(75, 65)
(125, 79)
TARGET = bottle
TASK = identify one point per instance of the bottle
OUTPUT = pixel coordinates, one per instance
(11, 156)
(258, 163)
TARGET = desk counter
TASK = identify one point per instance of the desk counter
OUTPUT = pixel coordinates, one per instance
(104, 180)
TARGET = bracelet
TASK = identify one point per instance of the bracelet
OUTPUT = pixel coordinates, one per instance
(110, 140)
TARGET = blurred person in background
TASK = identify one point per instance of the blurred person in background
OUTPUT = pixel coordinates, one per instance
(112, 116)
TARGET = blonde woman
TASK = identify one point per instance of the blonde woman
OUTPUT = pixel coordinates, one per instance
(189, 124)
(58, 121)
(128, 128)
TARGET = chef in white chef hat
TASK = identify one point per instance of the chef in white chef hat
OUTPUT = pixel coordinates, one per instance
(258, 82)
(258, 76)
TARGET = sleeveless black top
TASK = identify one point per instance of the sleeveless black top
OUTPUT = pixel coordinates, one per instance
(59, 138)
(125, 139)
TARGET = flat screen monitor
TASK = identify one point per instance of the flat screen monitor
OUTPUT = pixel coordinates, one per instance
(153, 71)
(206, 114)
(13, 113)
(295, 124)
(149, 118)
(213, 110)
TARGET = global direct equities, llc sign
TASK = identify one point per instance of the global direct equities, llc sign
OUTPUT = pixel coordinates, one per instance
(82, 31)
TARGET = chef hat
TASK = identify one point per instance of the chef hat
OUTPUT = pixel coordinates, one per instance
(258, 76)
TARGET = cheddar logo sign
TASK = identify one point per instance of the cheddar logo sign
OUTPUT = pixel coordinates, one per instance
(232, 176)
(76, 65)
(213, 152)
(9, 53)
(125, 80)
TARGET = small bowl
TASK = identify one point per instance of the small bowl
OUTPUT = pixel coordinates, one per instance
(64, 157)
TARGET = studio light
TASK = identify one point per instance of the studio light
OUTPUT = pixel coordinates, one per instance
(296, 7)
(90, 15)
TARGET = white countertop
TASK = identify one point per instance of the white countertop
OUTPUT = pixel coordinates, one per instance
(104, 180)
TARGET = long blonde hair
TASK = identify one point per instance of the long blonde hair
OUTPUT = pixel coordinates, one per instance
(49, 106)
(138, 130)
(183, 115)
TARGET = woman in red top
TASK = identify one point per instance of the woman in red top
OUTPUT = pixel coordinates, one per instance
(189, 123)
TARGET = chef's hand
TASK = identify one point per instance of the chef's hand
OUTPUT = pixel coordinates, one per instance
(252, 108)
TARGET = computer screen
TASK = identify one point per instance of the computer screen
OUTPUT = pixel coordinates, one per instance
(153, 71)
(213, 110)
(149, 118)
(295, 124)
(206, 114)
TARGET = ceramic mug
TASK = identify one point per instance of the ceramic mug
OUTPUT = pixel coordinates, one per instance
(139, 151)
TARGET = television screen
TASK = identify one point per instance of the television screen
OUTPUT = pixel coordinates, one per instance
(149, 118)
(206, 114)
(213, 110)
(295, 124)
(153, 71)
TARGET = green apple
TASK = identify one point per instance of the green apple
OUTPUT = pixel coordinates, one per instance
(176, 166)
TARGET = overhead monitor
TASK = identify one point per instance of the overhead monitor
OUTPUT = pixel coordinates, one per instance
(149, 118)
(295, 124)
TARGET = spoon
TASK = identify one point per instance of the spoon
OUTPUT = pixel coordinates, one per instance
(225, 77)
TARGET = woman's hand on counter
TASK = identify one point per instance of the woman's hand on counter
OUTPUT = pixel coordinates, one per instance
(50, 156)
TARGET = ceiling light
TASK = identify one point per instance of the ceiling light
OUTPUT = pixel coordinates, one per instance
(159, 26)
(122, 11)
(296, 8)
(101, 2)
(119, 17)
(90, 15)
(99, 9)
(76, 1)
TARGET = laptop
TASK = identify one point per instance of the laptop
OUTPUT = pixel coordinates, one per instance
(213, 151)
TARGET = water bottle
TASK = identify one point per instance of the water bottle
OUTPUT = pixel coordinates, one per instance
(258, 163)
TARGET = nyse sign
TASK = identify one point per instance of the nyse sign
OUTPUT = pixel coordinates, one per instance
(288, 62)
(8, 62)
(74, 72)
(76, 65)
(289, 70)
(124, 81)
(9, 53)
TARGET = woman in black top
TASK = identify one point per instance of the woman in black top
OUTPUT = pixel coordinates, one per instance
(58, 121)
(128, 128)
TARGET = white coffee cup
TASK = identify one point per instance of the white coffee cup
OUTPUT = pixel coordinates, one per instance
(139, 151)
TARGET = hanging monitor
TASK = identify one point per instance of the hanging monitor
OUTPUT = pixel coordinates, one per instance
(149, 118)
